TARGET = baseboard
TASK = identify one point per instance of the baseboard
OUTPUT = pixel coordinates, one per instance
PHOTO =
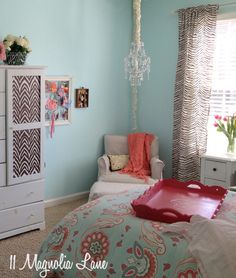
(66, 199)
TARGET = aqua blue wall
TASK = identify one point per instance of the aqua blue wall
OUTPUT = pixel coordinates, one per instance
(88, 40)
(160, 36)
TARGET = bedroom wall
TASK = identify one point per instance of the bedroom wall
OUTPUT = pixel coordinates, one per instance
(160, 36)
(88, 40)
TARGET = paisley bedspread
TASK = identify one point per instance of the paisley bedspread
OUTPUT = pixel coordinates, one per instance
(104, 239)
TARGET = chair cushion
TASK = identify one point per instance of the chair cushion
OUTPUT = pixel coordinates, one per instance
(118, 161)
(100, 188)
(124, 178)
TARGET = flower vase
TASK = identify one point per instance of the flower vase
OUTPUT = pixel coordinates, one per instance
(231, 145)
(15, 58)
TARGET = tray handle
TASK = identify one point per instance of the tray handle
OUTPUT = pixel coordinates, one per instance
(195, 185)
(171, 215)
(214, 189)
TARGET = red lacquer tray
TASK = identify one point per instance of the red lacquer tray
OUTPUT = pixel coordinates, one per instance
(172, 201)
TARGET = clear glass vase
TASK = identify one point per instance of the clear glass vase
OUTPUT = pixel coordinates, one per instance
(231, 145)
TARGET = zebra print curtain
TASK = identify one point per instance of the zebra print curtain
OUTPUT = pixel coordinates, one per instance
(192, 89)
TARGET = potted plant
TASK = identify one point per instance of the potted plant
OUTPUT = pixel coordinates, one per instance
(17, 49)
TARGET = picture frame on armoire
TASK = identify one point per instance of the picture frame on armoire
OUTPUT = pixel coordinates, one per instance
(58, 100)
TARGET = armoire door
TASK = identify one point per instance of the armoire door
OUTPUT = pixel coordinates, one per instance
(25, 125)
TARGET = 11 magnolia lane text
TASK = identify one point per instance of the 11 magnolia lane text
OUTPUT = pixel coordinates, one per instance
(44, 266)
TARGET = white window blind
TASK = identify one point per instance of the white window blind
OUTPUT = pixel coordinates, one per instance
(223, 95)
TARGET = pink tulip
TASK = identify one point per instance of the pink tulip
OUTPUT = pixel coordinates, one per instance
(217, 117)
(225, 119)
(215, 124)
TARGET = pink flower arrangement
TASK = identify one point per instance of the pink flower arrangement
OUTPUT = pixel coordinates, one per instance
(227, 125)
(2, 52)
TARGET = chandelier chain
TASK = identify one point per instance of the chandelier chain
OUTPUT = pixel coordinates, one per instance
(137, 21)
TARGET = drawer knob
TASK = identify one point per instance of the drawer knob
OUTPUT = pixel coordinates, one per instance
(30, 193)
(214, 169)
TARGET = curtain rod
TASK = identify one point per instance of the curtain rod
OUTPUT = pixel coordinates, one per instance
(220, 5)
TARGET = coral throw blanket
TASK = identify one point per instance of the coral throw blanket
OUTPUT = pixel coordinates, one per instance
(139, 155)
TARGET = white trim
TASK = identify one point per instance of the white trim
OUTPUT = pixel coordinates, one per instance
(226, 15)
(22, 67)
(40, 226)
(66, 199)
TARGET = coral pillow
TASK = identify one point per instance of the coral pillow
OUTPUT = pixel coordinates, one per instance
(118, 162)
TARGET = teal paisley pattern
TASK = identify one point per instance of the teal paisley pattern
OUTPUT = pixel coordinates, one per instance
(107, 230)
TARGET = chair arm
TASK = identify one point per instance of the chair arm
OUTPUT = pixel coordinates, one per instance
(103, 165)
(156, 167)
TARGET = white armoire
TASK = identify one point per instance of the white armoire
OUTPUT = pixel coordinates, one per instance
(21, 149)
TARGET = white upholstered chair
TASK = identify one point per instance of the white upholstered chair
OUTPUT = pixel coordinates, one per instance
(113, 182)
(117, 145)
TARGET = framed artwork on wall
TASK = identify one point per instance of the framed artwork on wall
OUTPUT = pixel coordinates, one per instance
(81, 97)
(58, 100)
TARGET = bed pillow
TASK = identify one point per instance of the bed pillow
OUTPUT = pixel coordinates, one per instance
(118, 162)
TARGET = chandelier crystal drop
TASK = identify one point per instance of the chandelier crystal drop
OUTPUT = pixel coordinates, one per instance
(137, 63)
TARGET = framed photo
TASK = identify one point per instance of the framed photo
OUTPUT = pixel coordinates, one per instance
(81, 98)
(58, 100)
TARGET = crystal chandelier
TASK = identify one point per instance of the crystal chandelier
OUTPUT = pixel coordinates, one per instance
(137, 62)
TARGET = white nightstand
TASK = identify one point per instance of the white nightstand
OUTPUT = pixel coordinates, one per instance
(218, 169)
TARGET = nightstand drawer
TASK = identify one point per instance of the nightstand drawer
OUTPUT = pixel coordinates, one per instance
(215, 182)
(215, 170)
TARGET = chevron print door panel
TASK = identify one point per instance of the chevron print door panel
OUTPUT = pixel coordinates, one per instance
(26, 99)
(25, 124)
(26, 152)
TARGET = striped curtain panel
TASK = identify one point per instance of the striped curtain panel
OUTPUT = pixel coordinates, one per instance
(197, 27)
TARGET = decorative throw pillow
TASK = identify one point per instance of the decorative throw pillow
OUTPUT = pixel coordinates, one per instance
(118, 162)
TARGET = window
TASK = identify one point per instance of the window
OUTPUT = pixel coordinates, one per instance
(223, 96)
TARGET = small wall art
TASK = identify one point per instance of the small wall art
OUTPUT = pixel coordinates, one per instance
(81, 97)
(58, 101)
